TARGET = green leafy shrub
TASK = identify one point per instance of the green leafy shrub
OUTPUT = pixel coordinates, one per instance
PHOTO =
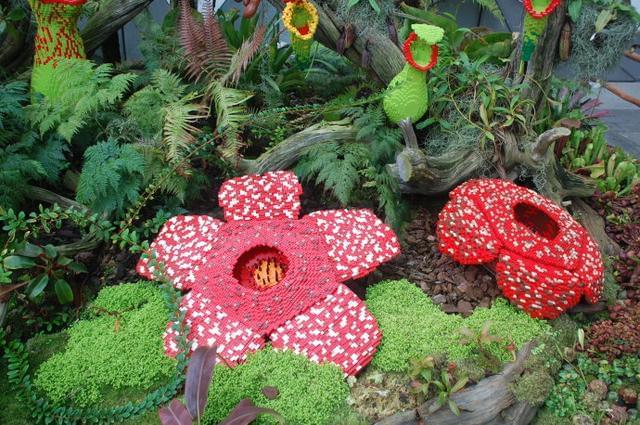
(573, 394)
(24, 157)
(118, 345)
(309, 394)
(111, 177)
(80, 90)
(413, 327)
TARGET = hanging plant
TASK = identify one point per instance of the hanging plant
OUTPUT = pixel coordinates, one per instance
(300, 18)
(535, 22)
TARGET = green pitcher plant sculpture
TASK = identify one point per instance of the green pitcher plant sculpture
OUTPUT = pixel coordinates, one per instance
(406, 96)
(57, 38)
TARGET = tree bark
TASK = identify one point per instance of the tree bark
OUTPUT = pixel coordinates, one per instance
(386, 58)
(17, 52)
(490, 401)
(539, 70)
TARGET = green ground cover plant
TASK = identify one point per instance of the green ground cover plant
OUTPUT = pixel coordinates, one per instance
(118, 345)
(414, 327)
(308, 393)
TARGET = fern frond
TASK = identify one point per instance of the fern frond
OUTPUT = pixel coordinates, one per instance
(336, 167)
(243, 56)
(230, 114)
(111, 177)
(179, 130)
(79, 90)
(207, 51)
(492, 7)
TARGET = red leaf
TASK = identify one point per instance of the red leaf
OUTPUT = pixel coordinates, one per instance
(175, 414)
(246, 412)
(199, 373)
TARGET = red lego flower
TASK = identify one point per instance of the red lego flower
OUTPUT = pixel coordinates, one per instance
(265, 274)
(544, 260)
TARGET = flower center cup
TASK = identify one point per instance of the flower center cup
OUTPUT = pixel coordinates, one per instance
(536, 220)
(261, 268)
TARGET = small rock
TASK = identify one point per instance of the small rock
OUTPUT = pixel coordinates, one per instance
(618, 415)
(449, 308)
(465, 307)
(485, 302)
(628, 395)
(598, 388)
(271, 393)
(581, 419)
(470, 274)
(439, 299)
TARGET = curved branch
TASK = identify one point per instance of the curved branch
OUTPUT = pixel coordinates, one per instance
(386, 58)
(290, 150)
(546, 139)
(109, 19)
(484, 403)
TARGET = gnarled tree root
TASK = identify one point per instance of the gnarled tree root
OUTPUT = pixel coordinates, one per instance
(419, 173)
(489, 402)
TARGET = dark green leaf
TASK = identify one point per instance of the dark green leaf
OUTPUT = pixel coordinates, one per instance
(16, 14)
(77, 267)
(29, 250)
(63, 291)
(575, 6)
(50, 251)
(15, 262)
(37, 285)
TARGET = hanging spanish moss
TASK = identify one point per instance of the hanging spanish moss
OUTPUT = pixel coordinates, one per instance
(592, 56)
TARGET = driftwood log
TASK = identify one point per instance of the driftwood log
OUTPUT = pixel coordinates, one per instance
(489, 402)
(538, 72)
(386, 59)
(419, 173)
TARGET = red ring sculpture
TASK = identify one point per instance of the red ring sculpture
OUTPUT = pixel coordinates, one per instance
(266, 275)
(544, 260)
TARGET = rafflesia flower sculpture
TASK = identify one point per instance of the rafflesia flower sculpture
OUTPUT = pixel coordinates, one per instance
(544, 260)
(265, 275)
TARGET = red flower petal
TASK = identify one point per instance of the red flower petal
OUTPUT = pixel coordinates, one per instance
(541, 290)
(591, 271)
(555, 261)
(358, 241)
(209, 324)
(338, 329)
(261, 197)
(464, 233)
(528, 223)
(182, 246)
(309, 277)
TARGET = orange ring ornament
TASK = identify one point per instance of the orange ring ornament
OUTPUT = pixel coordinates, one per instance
(301, 19)
(530, 8)
(408, 54)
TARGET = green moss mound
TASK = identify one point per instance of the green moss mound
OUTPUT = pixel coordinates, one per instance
(309, 393)
(413, 327)
(113, 353)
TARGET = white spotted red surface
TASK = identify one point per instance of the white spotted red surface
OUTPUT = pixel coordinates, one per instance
(358, 241)
(338, 329)
(322, 250)
(261, 197)
(545, 261)
(182, 246)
